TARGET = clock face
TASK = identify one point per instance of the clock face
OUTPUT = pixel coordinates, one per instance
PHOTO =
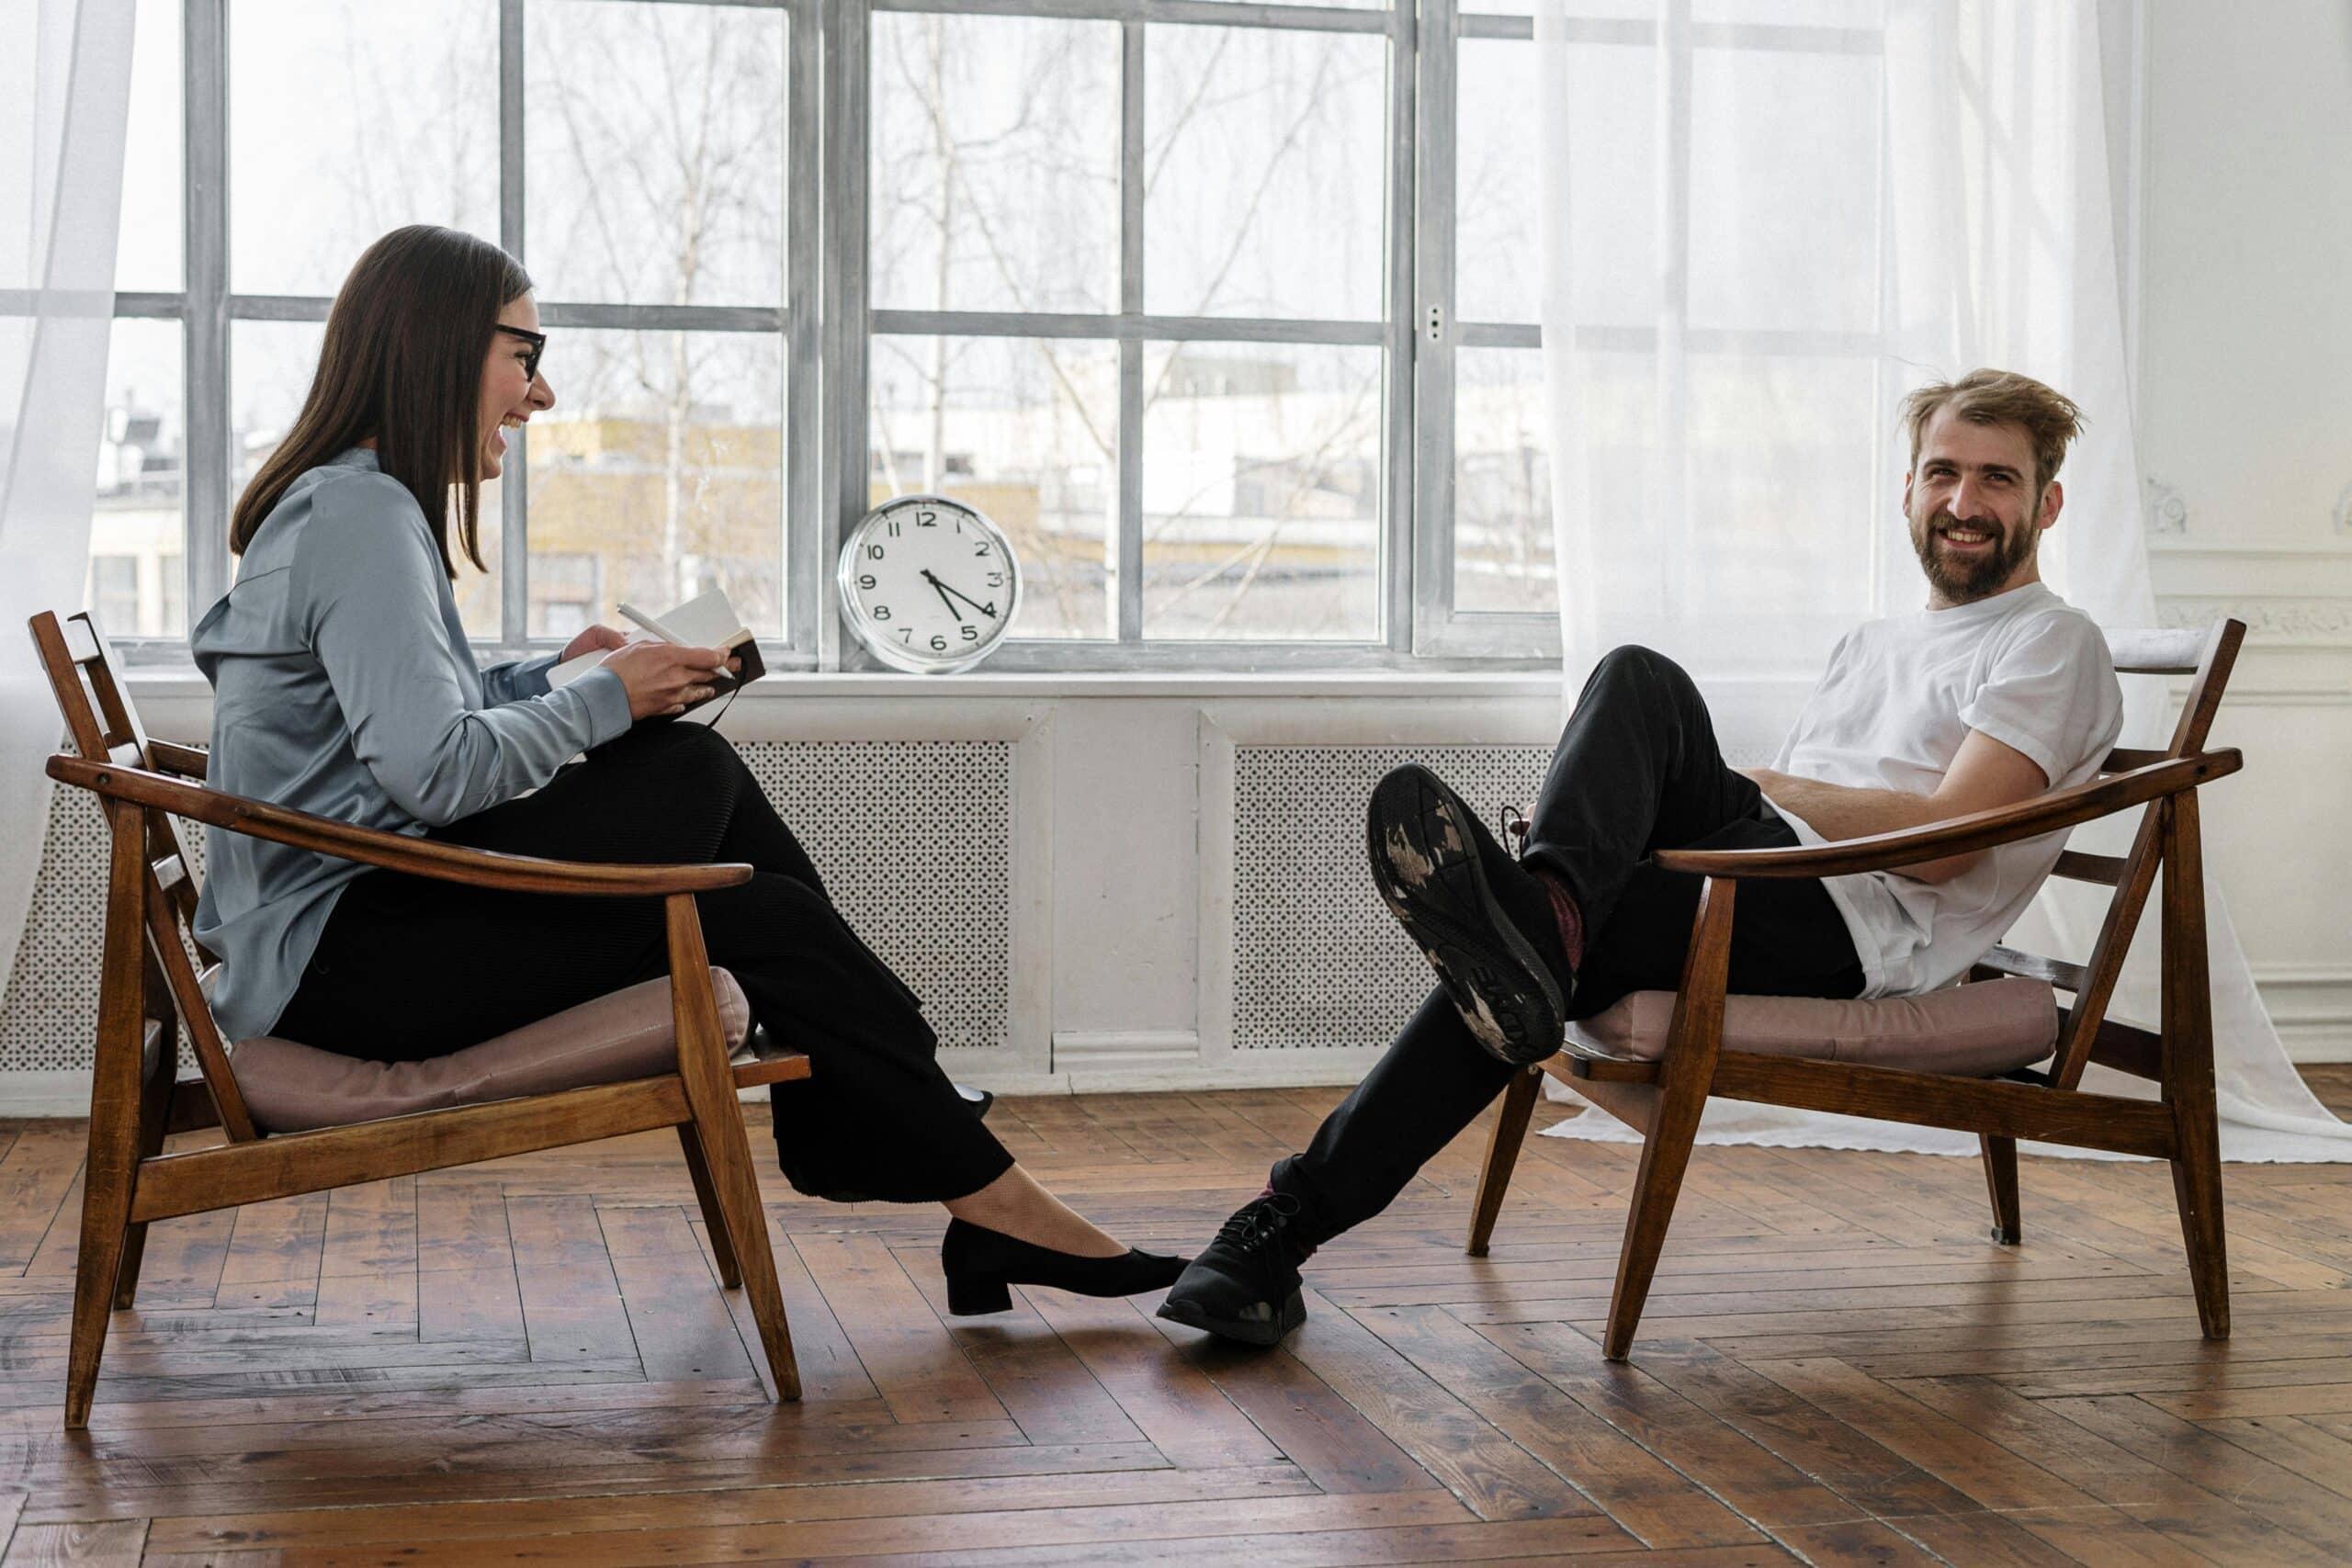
(928, 584)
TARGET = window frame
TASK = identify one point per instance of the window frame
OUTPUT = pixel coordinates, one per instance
(1134, 330)
(827, 323)
(208, 309)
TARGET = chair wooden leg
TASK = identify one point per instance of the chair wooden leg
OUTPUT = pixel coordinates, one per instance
(2197, 1188)
(1665, 1156)
(737, 1192)
(1694, 1041)
(722, 1247)
(117, 1085)
(106, 1214)
(718, 1121)
(2188, 1067)
(2000, 1157)
(154, 1125)
(1511, 1113)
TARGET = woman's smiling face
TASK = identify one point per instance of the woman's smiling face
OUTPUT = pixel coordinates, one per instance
(511, 389)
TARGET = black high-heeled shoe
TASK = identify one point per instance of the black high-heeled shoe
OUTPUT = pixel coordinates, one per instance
(981, 1264)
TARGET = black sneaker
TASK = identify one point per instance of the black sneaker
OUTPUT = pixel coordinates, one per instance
(1474, 912)
(1245, 1285)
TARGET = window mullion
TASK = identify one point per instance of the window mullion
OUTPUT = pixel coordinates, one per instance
(1673, 396)
(208, 469)
(515, 485)
(848, 98)
(1400, 518)
(804, 381)
(1431, 330)
(1127, 567)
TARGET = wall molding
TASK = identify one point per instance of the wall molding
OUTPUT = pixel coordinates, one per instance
(2311, 1006)
(2309, 621)
(58, 1092)
(1116, 1051)
(2248, 549)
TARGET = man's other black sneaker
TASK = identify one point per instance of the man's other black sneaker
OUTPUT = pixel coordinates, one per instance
(1245, 1286)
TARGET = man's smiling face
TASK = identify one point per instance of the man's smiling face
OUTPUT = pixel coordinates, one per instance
(1977, 508)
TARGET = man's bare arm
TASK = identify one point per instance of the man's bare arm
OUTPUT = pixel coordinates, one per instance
(1984, 776)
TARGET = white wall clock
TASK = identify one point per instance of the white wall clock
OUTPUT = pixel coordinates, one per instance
(928, 584)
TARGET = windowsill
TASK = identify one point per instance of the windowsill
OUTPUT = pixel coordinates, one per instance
(165, 681)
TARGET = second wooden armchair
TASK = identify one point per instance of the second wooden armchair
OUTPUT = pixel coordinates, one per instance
(1962, 1059)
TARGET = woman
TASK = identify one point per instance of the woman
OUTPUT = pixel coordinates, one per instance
(344, 686)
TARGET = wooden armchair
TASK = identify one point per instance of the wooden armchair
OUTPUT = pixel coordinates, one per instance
(154, 977)
(1663, 1092)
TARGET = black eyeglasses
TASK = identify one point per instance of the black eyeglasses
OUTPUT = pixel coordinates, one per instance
(539, 342)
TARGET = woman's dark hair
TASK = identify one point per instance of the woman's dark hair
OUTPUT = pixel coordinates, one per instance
(402, 362)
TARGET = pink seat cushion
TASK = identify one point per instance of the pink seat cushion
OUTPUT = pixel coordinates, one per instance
(291, 1088)
(1972, 1030)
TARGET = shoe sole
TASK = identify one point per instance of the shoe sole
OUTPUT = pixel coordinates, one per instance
(1293, 1314)
(1425, 862)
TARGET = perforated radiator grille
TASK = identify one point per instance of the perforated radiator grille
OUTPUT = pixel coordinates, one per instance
(1318, 961)
(913, 839)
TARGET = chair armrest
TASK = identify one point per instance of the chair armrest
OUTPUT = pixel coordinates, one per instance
(1963, 835)
(393, 851)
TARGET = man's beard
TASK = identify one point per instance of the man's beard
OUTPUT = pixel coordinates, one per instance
(1964, 579)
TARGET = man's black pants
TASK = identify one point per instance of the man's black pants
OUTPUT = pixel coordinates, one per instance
(1637, 769)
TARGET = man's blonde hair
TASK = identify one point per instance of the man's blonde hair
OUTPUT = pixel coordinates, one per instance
(2050, 419)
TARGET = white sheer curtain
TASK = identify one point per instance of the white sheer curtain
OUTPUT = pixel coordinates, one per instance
(1739, 287)
(65, 99)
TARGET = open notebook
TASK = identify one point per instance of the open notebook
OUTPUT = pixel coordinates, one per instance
(707, 620)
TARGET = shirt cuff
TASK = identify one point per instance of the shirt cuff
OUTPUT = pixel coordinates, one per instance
(531, 675)
(607, 700)
(2033, 748)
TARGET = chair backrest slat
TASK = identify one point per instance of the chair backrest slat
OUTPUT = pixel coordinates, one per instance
(2080, 866)
(80, 638)
(2033, 966)
(94, 700)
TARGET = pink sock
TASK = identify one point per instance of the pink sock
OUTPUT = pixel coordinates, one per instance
(1565, 912)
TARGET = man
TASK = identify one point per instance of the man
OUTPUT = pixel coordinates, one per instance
(1995, 693)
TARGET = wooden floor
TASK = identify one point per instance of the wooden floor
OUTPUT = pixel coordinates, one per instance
(530, 1360)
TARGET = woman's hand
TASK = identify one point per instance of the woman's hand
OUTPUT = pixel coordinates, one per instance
(666, 678)
(590, 641)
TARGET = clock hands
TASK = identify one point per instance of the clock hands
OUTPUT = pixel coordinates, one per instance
(989, 610)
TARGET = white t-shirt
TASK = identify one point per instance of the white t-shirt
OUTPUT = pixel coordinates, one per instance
(1898, 698)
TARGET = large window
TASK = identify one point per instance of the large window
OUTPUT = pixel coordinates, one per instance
(636, 155)
(1225, 313)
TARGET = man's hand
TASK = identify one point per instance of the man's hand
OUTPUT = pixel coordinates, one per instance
(1984, 776)
(590, 641)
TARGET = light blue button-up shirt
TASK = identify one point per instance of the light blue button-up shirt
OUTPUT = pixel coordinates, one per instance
(342, 684)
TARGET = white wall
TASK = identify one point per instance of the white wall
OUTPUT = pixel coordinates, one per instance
(2244, 274)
